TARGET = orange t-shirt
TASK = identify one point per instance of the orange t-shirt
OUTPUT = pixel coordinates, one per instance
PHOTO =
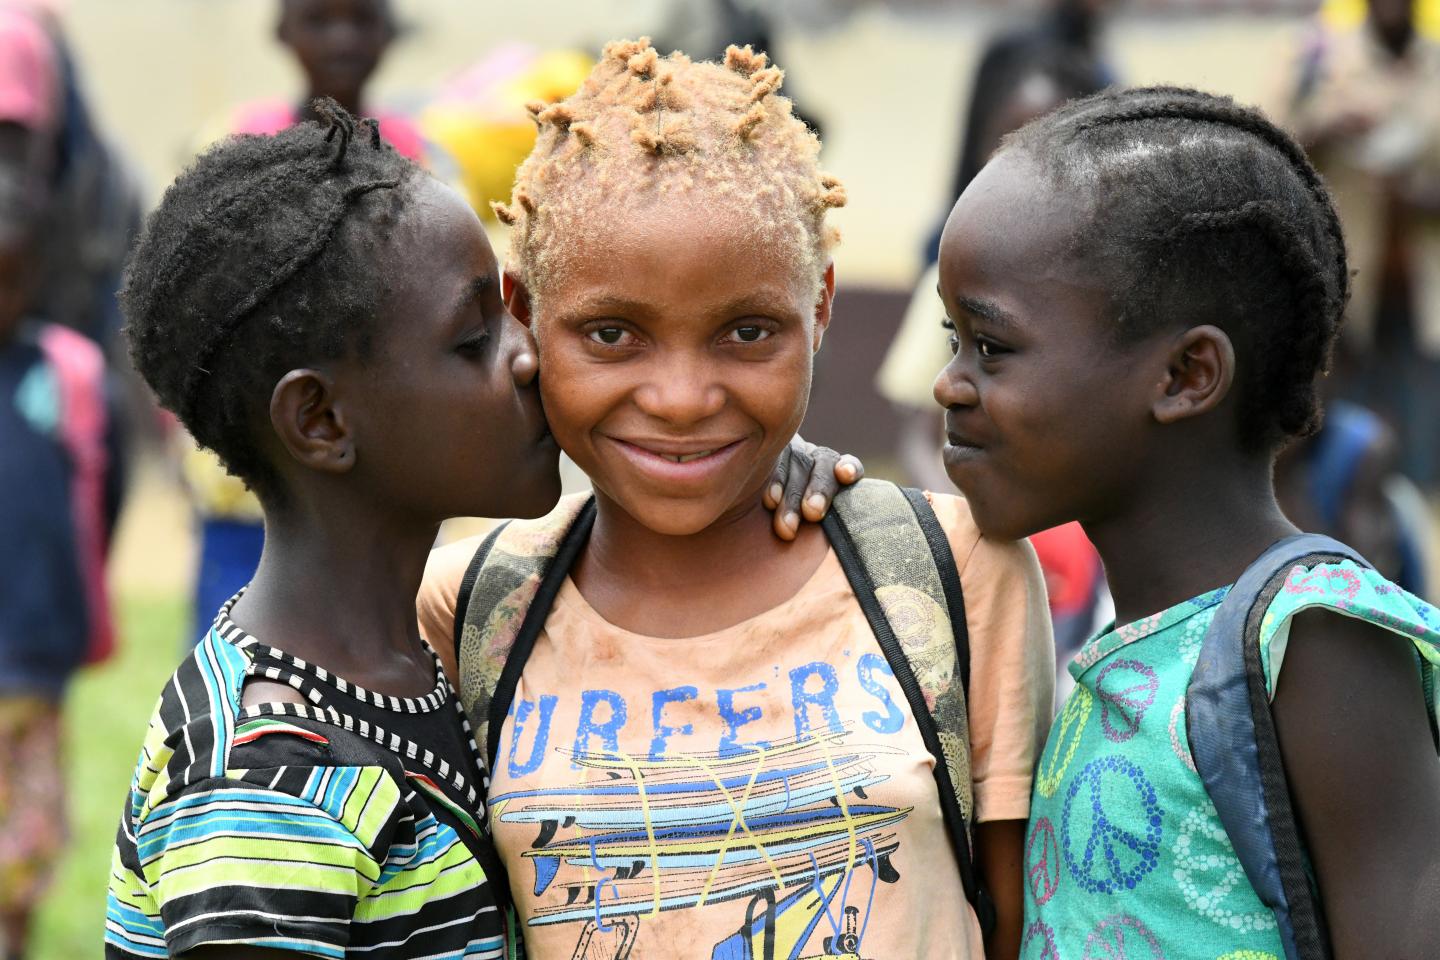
(758, 791)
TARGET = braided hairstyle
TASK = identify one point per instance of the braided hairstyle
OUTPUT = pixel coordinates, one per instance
(1203, 211)
(644, 127)
(261, 258)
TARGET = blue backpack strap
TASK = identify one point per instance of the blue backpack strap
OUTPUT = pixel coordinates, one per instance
(1236, 751)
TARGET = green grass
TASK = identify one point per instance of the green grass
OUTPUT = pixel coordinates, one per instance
(105, 716)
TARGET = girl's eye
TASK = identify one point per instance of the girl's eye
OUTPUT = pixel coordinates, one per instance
(609, 336)
(953, 338)
(474, 346)
(988, 349)
(750, 334)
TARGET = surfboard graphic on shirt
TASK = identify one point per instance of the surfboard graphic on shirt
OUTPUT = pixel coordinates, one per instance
(785, 831)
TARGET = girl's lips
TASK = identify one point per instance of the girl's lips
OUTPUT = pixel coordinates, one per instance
(690, 465)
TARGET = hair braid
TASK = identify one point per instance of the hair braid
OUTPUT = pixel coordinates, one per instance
(258, 225)
(643, 127)
(1206, 109)
(1298, 413)
(1203, 211)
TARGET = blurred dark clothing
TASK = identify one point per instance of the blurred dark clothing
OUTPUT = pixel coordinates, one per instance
(92, 217)
(46, 617)
(80, 201)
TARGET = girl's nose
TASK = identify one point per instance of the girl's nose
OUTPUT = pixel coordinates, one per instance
(954, 388)
(681, 392)
(525, 359)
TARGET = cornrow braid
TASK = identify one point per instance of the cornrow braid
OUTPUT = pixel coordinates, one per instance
(1203, 211)
(261, 258)
(644, 127)
(1225, 111)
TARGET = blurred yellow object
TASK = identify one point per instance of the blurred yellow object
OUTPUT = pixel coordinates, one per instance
(1351, 13)
(479, 116)
(215, 492)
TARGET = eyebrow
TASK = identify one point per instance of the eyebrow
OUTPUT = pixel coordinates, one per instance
(987, 310)
(473, 291)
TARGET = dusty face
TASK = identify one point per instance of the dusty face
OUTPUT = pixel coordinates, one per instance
(676, 358)
(339, 42)
(1045, 415)
(445, 411)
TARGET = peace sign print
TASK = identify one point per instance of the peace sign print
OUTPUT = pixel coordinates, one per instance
(1064, 739)
(1122, 937)
(1042, 861)
(1129, 694)
(1111, 836)
(1044, 937)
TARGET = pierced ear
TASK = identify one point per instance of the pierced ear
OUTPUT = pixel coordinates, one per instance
(1198, 376)
(310, 422)
(516, 296)
(824, 305)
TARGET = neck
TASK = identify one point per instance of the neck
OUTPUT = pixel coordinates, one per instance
(338, 592)
(651, 561)
(1187, 532)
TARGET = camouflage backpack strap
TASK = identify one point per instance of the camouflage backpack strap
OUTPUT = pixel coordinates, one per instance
(511, 585)
(899, 563)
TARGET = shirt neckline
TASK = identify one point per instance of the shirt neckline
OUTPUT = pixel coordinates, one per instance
(571, 597)
(233, 633)
(1104, 644)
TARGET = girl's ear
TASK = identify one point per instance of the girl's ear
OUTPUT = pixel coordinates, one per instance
(516, 296)
(310, 422)
(824, 305)
(1199, 373)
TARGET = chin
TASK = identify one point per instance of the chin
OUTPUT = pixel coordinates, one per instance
(674, 518)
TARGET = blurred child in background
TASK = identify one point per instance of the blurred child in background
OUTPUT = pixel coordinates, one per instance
(59, 487)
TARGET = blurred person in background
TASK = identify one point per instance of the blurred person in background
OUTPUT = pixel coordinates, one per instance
(1345, 481)
(338, 46)
(1026, 86)
(1365, 101)
(59, 483)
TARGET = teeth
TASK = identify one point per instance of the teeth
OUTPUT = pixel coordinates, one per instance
(686, 458)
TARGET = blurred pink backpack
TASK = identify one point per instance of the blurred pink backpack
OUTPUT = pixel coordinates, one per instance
(79, 369)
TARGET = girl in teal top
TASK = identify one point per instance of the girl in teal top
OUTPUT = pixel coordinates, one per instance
(1143, 287)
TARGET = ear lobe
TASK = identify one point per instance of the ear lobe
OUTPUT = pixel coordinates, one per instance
(1200, 372)
(516, 296)
(310, 422)
(824, 305)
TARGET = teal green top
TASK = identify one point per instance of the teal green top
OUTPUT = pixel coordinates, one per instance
(1126, 856)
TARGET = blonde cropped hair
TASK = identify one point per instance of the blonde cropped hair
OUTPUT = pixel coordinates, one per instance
(645, 128)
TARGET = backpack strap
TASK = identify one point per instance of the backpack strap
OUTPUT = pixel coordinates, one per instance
(1237, 753)
(914, 605)
(467, 582)
(501, 595)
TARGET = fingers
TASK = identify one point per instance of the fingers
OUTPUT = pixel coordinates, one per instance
(775, 489)
(797, 476)
(849, 470)
(821, 484)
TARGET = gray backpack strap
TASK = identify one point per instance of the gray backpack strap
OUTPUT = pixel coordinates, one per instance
(1236, 751)
(900, 566)
(504, 588)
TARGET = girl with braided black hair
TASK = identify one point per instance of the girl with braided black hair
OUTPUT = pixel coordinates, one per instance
(1142, 289)
(328, 320)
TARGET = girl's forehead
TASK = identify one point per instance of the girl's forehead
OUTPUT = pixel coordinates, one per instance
(711, 254)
